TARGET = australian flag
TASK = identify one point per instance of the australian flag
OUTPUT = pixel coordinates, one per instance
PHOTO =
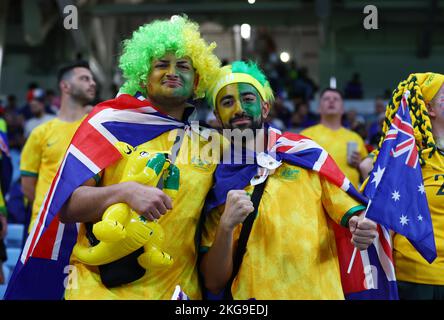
(396, 188)
(43, 267)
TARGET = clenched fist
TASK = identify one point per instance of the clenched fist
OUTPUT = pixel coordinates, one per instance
(237, 208)
(363, 231)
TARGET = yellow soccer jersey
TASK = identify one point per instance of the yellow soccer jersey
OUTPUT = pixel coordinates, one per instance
(42, 155)
(409, 264)
(196, 179)
(291, 251)
(335, 142)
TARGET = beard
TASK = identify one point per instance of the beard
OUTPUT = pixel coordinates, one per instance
(252, 125)
(82, 97)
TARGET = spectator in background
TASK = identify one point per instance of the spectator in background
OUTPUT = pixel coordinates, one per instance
(303, 118)
(282, 109)
(44, 150)
(375, 127)
(353, 89)
(25, 110)
(374, 136)
(15, 123)
(30, 93)
(345, 146)
(352, 120)
(304, 86)
(52, 102)
(39, 115)
(274, 121)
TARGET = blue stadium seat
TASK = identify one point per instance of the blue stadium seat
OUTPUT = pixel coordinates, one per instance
(13, 256)
(14, 238)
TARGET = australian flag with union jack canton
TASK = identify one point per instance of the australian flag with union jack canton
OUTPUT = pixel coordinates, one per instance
(396, 189)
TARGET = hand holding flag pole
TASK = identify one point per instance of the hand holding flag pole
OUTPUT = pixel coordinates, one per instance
(356, 249)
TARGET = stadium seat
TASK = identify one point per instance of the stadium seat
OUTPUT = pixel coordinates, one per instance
(13, 256)
(14, 238)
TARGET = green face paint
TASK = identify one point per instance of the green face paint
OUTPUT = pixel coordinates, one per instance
(171, 78)
(239, 106)
(252, 106)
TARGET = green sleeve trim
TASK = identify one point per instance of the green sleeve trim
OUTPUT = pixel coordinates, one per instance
(204, 249)
(350, 213)
(3, 211)
(28, 173)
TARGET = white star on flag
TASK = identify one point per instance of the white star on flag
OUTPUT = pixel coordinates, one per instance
(404, 220)
(420, 218)
(395, 195)
(421, 188)
(377, 176)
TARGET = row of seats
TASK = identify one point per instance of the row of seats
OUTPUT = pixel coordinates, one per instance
(13, 242)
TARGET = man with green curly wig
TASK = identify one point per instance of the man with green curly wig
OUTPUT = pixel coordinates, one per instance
(289, 250)
(165, 63)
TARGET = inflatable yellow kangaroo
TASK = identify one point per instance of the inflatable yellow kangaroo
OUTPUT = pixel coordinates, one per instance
(123, 231)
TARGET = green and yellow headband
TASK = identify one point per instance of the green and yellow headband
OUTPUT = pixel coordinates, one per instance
(226, 77)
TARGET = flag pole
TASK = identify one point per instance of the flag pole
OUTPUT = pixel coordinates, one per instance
(350, 265)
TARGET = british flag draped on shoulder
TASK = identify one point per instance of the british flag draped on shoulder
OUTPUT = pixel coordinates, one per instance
(44, 263)
(304, 152)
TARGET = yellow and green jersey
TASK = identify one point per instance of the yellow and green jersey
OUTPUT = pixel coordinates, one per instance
(179, 224)
(43, 154)
(291, 251)
(410, 266)
(335, 143)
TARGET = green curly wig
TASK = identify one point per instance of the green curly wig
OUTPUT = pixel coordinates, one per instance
(152, 41)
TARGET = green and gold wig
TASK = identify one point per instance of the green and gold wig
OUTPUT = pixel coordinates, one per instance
(152, 41)
(423, 87)
(241, 72)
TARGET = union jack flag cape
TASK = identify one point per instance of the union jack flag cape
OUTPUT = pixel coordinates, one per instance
(304, 152)
(44, 263)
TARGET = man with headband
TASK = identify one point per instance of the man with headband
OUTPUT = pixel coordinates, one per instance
(290, 252)
(417, 279)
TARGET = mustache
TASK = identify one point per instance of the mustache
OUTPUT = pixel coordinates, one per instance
(243, 116)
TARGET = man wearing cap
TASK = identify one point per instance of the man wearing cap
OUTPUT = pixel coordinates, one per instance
(290, 252)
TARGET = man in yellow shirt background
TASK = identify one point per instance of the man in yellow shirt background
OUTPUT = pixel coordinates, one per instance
(345, 146)
(47, 143)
